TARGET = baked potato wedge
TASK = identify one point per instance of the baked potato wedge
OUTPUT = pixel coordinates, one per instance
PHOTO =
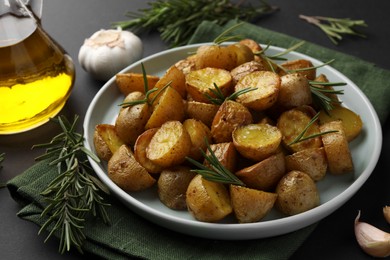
(265, 85)
(169, 106)
(226, 155)
(244, 69)
(297, 193)
(352, 122)
(130, 82)
(250, 205)
(199, 133)
(215, 56)
(169, 145)
(229, 116)
(264, 175)
(124, 170)
(207, 201)
(256, 141)
(201, 111)
(292, 123)
(106, 141)
(336, 148)
(140, 147)
(172, 186)
(298, 64)
(294, 91)
(200, 83)
(176, 80)
(311, 161)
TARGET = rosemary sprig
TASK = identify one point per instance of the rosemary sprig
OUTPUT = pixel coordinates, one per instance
(334, 28)
(220, 98)
(216, 172)
(301, 137)
(74, 192)
(147, 92)
(322, 96)
(177, 20)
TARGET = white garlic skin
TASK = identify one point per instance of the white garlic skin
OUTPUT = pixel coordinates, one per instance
(107, 52)
(372, 240)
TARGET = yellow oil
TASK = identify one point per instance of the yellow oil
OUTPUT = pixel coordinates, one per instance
(36, 78)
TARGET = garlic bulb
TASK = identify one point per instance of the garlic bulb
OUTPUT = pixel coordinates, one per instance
(372, 240)
(107, 52)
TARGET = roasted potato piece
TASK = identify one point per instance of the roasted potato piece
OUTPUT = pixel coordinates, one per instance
(199, 83)
(106, 141)
(250, 205)
(170, 106)
(333, 97)
(297, 193)
(294, 91)
(264, 175)
(127, 173)
(244, 69)
(169, 145)
(311, 161)
(230, 115)
(265, 85)
(292, 123)
(243, 53)
(207, 201)
(187, 65)
(199, 133)
(252, 44)
(215, 56)
(172, 186)
(226, 155)
(352, 122)
(131, 120)
(292, 65)
(336, 148)
(256, 141)
(140, 147)
(176, 80)
(130, 82)
(201, 111)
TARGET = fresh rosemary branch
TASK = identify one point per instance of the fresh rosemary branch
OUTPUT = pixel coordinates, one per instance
(73, 195)
(177, 20)
(322, 96)
(301, 137)
(216, 172)
(220, 98)
(334, 28)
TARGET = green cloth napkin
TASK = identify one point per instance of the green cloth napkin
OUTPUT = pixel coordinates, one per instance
(132, 236)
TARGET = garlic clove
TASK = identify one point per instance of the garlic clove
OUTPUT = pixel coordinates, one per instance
(386, 213)
(372, 240)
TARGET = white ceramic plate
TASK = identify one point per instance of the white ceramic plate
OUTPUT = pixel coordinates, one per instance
(334, 190)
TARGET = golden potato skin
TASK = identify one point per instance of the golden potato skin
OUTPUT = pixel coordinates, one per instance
(297, 193)
(140, 147)
(244, 69)
(106, 141)
(131, 82)
(127, 173)
(336, 148)
(201, 111)
(312, 161)
(131, 122)
(207, 201)
(300, 64)
(225, 153)
(215, 56)
(250, 205)
(199, 134)
(172, 186)
(169, 145)
(230, 115)
(294, 91)
(264, 175)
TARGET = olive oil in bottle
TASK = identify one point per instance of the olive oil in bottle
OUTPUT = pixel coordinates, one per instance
(36, 75)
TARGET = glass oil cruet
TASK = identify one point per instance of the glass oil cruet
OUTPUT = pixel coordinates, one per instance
(36, 74)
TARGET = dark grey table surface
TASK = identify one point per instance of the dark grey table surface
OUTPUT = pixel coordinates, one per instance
(71, 21)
